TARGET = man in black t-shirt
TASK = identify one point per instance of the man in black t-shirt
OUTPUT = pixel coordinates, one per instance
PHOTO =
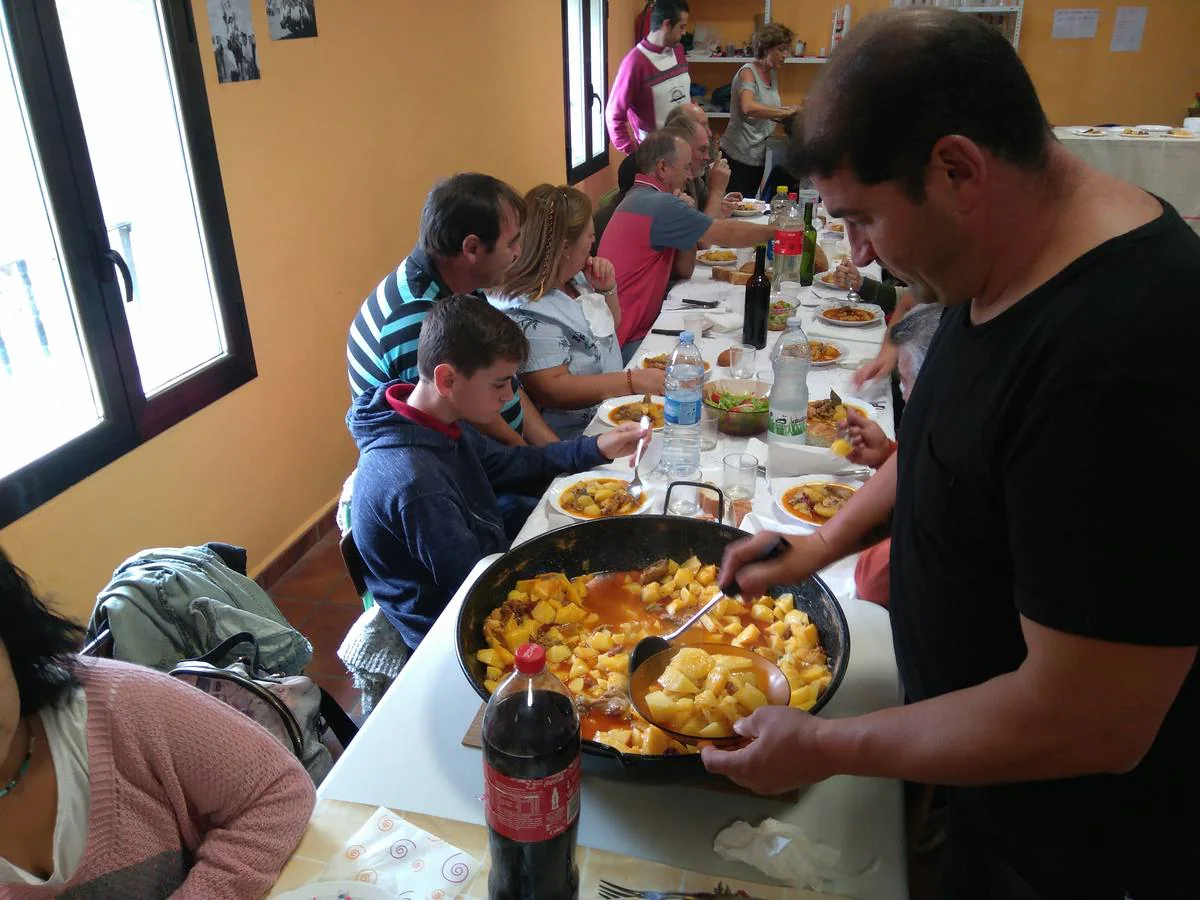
(1044, 620)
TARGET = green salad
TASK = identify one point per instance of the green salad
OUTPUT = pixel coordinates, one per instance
(742, 403)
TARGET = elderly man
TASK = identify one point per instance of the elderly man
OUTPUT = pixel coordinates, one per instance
(709, 174)
(653, 235)
(1048, 652)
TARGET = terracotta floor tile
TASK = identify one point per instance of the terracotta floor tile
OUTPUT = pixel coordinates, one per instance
(332, 614)
(317, 576)
(296, 610)
(325, 640)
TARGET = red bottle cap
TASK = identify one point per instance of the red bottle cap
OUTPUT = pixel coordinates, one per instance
(531, 659)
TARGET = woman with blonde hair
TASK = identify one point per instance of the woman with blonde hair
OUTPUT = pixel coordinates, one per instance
(755, 108)
(565, 300)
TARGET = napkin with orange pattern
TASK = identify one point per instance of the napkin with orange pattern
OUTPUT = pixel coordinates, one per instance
(407, 861)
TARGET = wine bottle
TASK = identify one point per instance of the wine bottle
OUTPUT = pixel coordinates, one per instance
(758, 302)
(809, 255)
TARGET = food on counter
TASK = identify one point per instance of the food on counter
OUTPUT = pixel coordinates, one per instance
(816, 502)
(633, 412)
(600, 497)
(702, 694)
(1135, 132)
(589, 623)
(1182, 133)
(1092, 132)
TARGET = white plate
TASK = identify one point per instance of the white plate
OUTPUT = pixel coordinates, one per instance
(822, 286)
(705, 262)
(338, 890)
(782, 487)
(1089, 131)
(760, 210)
(554, 494)
(839, 324)
(1119, 131)
(1154, 129)
(606, 408)
(841, 349)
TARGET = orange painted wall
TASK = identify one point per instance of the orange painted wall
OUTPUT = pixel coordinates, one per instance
(326, 162)
(1078, 81)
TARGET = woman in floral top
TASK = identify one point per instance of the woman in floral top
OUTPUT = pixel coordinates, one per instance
(566, 303)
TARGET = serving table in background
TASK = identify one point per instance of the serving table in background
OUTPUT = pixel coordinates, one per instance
(409, 754)
(1163, 165)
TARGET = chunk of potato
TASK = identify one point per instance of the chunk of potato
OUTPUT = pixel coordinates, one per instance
(575, 686)
(660, 706)
(488, 658)
(516, 637)
(693, 663)
(733, 663)
(650, 593)
(586, 653)
(786, 602)
(674, 680)
(707, 575)
(616, 662)
(601, 640)
(558, 653)
(490, 686)
(751, 697)
(716, 729)
(579, 668)
(518, 596)
(655, 741)
(748, 636)
(762, 613)
(544, 613)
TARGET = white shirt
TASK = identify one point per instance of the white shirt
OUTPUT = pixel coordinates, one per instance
(66, 732)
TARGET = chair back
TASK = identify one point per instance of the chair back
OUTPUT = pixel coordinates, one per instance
(355, 566)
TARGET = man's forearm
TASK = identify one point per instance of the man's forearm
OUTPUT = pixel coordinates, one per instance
(732, 233)
(684, 264)
(536, 431)
(994, 733)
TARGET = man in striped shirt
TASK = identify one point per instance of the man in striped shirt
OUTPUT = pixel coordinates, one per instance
(470, 234)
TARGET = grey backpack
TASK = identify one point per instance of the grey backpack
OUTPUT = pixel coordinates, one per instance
(293, 708)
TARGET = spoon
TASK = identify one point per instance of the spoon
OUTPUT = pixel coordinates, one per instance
(654, 644)
(635, 483)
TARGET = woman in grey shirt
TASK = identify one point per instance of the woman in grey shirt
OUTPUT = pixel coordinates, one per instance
(755, 107)
(566, 303)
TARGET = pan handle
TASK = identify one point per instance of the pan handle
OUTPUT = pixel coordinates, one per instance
(697, 484)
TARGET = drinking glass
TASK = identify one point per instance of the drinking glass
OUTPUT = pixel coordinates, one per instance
(694, 322)
(709, 434)
(741, 361)
(740, 475)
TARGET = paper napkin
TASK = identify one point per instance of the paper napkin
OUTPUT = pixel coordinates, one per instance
(396, 856)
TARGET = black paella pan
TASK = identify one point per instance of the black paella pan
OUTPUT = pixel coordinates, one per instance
(619, 544)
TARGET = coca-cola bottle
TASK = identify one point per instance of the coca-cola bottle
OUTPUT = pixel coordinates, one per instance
(531, 784)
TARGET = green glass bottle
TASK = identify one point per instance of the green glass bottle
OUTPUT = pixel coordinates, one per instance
(809, 255)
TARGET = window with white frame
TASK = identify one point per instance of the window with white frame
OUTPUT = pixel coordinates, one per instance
(585, 85)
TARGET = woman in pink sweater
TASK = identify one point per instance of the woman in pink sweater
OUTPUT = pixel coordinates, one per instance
(117, 781)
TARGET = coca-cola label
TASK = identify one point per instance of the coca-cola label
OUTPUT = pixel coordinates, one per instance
(531, 810)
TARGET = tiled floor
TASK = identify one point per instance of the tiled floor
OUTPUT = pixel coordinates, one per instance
(319, 600)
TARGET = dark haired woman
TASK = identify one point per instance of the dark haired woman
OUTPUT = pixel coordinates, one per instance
(118, 781)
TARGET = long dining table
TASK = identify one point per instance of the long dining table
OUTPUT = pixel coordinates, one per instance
(410, 754)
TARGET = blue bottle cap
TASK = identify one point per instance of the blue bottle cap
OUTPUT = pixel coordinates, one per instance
(687, 336)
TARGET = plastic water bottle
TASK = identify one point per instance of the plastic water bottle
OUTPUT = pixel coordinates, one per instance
(681, 432)
(787, 423)
(779, 204)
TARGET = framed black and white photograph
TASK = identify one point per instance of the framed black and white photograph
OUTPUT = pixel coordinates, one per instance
(288, 19)
(233, 41)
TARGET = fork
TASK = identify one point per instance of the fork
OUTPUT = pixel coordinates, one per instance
(610, 891)
(635, 483)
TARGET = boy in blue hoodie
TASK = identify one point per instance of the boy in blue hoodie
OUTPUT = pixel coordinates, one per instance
(424, 509)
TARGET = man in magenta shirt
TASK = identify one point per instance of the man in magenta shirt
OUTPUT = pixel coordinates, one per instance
(653, 234)
(652, 79)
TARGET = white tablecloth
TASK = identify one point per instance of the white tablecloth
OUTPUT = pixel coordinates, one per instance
(409, 753)
(1162, 165)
